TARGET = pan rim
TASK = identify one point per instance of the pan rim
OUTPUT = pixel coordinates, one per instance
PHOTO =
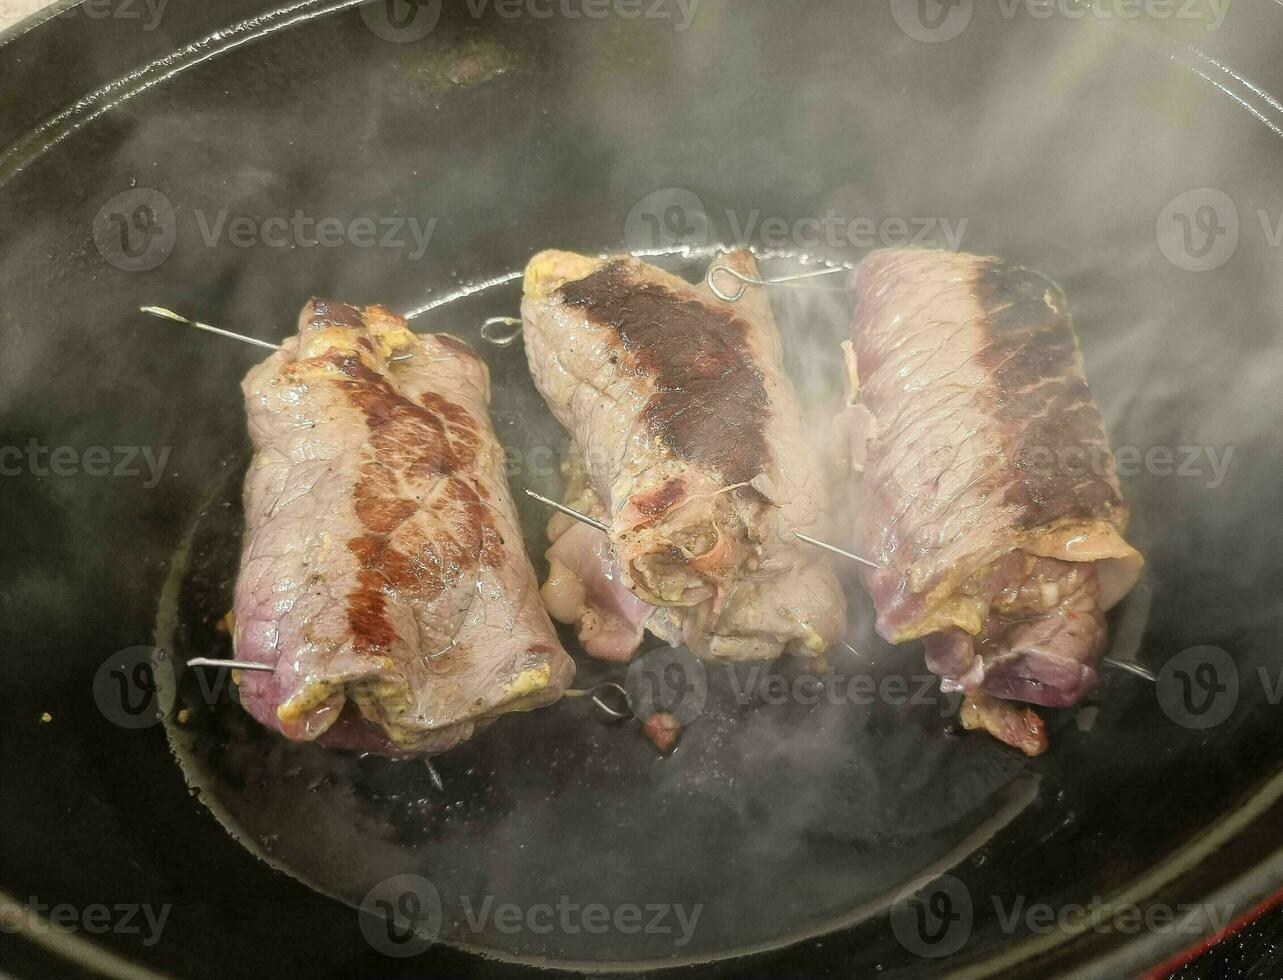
(1250, 886)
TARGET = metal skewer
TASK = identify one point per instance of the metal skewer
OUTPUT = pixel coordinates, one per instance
(834, 549)
(268, 668)
(593, 522)
(746, 280)
(233, 664)
(1140, 670)
(1131, 667)
(164, 314)
(582, 518)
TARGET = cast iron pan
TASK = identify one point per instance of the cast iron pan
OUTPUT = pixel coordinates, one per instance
(815, 836)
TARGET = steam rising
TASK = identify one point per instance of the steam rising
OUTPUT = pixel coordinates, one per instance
(1059, 144)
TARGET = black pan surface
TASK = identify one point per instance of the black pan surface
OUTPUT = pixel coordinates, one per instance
(829, 838)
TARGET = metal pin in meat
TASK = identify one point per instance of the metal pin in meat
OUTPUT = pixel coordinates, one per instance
(382, 571)
(167, 314)
(989, 495)
(231, 664)
(568, 511)
(834, 549)
(719, 270)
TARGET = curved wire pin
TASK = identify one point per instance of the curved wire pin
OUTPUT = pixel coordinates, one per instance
(501, 331)
(745, 280)
(442, 652)
(611, 710)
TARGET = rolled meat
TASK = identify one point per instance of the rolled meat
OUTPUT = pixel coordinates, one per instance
(585, 585)
(382, 573)
(988, 493)
(692, 447)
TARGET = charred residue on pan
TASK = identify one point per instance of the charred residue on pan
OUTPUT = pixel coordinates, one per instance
(1042, 399)
(710, 401)
(427, 524)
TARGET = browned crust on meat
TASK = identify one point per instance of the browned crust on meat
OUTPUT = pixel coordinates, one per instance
(710, 402)
(1042, 400)
(330, 312)
(426, 447)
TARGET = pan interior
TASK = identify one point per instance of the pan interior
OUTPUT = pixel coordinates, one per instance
(566, 809)
(1056, 143)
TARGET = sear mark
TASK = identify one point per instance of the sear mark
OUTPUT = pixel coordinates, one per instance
(1056, 436)
(710, 402)
(427, 525)
(331, 313)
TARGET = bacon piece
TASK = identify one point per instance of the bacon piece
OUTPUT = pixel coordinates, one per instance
(382, 572)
